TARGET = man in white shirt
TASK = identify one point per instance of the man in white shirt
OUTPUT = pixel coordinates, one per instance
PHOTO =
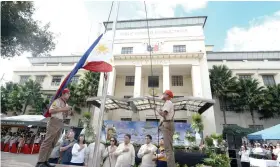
(125, 153)
(167, 126)
(89, 154)
(146, 152)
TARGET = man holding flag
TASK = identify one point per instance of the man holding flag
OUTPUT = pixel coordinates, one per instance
(58, 110)
(97, 58)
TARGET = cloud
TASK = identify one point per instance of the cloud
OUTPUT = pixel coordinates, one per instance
(158, 9)
(76, 23)
(262, 34)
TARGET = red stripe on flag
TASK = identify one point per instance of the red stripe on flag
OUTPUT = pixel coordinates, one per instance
(98, 66)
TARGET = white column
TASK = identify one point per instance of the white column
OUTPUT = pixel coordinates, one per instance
(100, 85)
(196, 81)
(112, 81)
(137, 81)
(165, 78)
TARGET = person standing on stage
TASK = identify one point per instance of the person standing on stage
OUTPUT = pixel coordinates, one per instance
(146, 152)
(167, 126)
(59, 110)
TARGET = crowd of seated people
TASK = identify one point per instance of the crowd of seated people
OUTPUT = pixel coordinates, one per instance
(22, 141)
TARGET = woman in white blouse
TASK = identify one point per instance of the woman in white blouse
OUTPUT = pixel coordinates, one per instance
(109, 154)
(125, 153)
(245, 161)
(78, 152)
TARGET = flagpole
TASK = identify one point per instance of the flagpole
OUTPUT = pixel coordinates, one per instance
(96, 159)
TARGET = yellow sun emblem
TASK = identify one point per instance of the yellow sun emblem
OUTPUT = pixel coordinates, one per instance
(102, 49)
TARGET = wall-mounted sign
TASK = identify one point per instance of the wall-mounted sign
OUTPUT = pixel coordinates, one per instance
(160, 32)
(147, 62)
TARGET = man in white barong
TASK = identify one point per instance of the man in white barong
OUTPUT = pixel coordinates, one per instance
(125, 153)
(146, 152)
(89, 154)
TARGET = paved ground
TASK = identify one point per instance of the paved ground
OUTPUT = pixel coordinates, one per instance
(20, 160)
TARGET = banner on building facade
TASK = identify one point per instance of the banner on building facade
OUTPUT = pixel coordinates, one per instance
(139, 129)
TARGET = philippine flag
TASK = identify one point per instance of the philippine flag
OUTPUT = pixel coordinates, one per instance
(97, 58)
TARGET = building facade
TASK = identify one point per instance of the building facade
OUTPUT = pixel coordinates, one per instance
(179, 61)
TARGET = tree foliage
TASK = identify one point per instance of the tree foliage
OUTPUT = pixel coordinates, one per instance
(222, 84)
(11, 98)
(17, 98)
(249, 96)
(271, 103)
(87, 87)
(20, 32)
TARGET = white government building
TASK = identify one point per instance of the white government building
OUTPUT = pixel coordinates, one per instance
(181, 63)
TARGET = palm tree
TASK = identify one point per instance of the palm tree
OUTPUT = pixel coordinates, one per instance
(271, 102)
(249, 96)
(30, 93)
(222, 83)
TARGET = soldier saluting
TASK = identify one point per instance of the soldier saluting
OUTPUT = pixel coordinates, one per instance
(167, 126)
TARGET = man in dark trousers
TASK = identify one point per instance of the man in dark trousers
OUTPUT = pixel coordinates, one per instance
(58, 110)
(167, 126)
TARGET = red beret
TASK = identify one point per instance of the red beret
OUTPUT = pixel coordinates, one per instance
(66, 90)
(169, 93)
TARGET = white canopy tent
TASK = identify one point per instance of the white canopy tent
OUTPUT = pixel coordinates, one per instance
(24, 120)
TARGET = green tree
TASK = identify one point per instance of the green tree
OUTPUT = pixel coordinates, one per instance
(271, 102)
(20, 32)
(87, 87)
(222, 85)
(10, 98)
(32, 96)
(249, 96)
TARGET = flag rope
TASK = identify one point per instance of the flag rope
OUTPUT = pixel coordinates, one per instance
(152, 74)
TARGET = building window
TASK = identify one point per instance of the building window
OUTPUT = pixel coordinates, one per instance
(80, 123)
(127, 50)
(23, 79)
(179, 48)
(244, 76)
(56, 80)
(256, 127)
(129, 80)
(268, 80)
(126, 119)
(177, 80)
(152, 120)
(40, 79)
(226, 105)
(153, 81)
(127, 97)
(75, 79)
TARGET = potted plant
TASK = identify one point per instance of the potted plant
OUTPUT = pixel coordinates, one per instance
(198, 127)
(88, 130)
(190, 138)
(216, 139)
(197, 123)
(176, 138)
(209, 141)
(217, 160)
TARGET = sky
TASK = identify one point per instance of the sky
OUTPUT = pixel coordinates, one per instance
(230, 26)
